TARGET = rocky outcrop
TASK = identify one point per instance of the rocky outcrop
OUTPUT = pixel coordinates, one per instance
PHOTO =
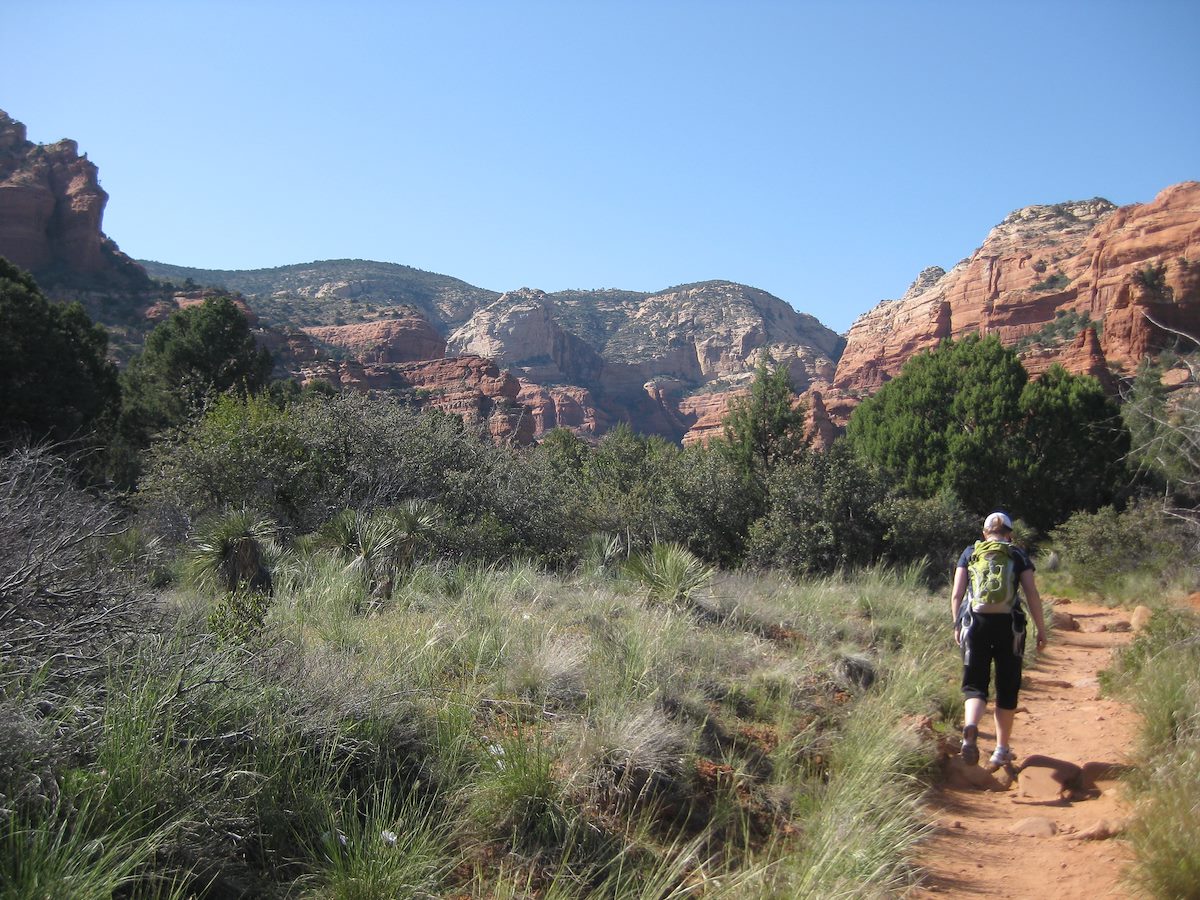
(161, 309)
(563, 406)
(727, 327)
(519, 331)
(1123, 268)
(406, 339)
(471, 387)
(642, 358)
(706, 414)
(1083, 356)
(819, 429)
(51, 208)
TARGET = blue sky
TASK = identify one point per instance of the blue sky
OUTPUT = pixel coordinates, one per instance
(825, 152)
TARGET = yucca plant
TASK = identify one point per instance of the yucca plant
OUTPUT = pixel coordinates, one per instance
(414, 522)
(380, 545)
(601, 552)
(230, 551)
(670, 573)
(365, 543)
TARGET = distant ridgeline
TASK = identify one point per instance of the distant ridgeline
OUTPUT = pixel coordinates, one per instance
(1084, 284)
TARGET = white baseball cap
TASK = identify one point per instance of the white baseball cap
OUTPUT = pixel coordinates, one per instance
(996, 521)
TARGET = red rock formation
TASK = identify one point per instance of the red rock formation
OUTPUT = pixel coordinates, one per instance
(1039, 263)
(471, 387)
(51, 207)
(389, 341)
(562, 406)
(707, 412)
(161, 309)
(1081, 357)
(819, 430)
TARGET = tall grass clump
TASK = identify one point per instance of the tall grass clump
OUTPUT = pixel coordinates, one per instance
(80, 853)
(382, 846)
(1160, 672)
(864, 822)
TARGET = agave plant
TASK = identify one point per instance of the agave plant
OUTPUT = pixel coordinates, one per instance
(670, 573)
(230, 550)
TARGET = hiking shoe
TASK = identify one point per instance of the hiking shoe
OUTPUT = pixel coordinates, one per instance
(1002, 757)
(970, 749)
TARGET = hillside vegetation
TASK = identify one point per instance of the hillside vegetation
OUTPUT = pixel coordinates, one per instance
(333, 645)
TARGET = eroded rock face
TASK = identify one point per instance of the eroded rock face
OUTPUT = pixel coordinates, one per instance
(1041, 263)
(563, 406)
(51, 207)
(398, 340)
(1083, 356)
(705, 414)
(471, 387)
(519, 331)
(643, 358)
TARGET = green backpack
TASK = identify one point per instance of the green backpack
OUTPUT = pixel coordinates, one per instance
(992, 585)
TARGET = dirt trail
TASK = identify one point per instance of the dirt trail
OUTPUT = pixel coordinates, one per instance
(1061, 722)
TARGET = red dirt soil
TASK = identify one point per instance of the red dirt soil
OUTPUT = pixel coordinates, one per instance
(1061, 718)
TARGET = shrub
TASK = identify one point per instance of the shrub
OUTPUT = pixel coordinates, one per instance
(62, 599)
(322, 454)
(822, 515)
(932, 532)
(1054, 282)
(1101, 548)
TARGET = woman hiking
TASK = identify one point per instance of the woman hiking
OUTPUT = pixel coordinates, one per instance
(990, 628)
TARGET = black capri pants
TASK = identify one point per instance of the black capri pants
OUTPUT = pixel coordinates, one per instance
(993, 638)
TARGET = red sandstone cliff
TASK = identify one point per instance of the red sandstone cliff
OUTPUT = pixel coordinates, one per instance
(51, 207)
(398, 340)
(1120, 268)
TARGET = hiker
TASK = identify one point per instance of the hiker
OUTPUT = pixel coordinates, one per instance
(990, 627)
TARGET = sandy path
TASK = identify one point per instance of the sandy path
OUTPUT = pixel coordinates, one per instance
(974, 852)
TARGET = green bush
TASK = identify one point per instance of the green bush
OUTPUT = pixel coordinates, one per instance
(1100, 549)
(930, 532)
(822, 515)
(321, 454)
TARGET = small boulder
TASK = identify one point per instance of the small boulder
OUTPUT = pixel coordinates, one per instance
(1046, 778)
(1062, 621)
(1141, 615)
(1100, 831)
(1035, 826)
(960, 775)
